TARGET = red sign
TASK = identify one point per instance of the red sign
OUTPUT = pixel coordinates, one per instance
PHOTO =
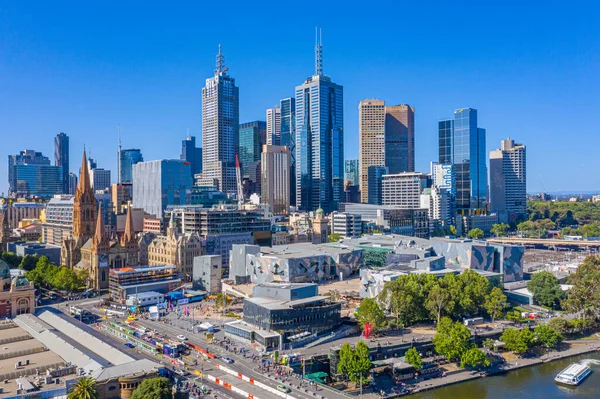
(368, 330)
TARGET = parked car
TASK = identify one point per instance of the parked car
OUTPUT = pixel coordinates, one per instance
(181, 372)
(181, 337)
(129, 345)
(227, 359)
(283, 388)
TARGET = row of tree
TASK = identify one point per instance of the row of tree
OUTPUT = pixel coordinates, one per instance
(521, 340)
(414, 298)
(47, 275)
(453, 340)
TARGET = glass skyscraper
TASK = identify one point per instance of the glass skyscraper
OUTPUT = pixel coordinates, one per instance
(128, 158)
(61, 158)
(319, 141)
(352, 172)
(220, 129)
(288, 139)
(252, 138)
(192, 154)
(462, 143)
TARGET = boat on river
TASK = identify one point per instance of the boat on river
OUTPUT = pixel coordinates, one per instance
(573, 375)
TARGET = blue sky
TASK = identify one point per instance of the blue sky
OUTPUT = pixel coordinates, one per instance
(530, 69)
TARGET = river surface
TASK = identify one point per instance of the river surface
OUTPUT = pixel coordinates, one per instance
(532, 382)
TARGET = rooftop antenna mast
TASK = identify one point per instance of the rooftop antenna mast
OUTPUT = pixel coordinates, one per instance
(318, 52)
(221, 68)
(119, 154)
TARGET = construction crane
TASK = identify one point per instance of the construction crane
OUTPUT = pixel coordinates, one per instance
(238, 178)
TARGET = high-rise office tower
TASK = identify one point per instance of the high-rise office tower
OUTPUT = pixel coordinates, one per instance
(220, 129)
(386, 138)
(404, 189)
(157, 184)
(192, 154)
(252, 139)
(352, 175)
(319, 141)
(371, 139)
(508, 181)
(288, 139)
(400, 138)
(30, 174)
(375, 184)
(462, 143)
(100, 178)
(274, 126)
(72, 183)
(128, 158)
(275, 172)
(61, 158)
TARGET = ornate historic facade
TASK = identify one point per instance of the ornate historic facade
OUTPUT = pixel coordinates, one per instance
(84, 218)
(174, 249)
(17, 294)
(100, 253)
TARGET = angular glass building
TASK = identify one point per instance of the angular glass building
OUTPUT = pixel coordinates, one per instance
(319, 141)
(462, 143)
(288, 139)
(61, 157)
(252, 138)
(191, 154)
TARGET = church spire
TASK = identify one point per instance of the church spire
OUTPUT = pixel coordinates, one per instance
(84, 175)
(129, 233)
(100, 232)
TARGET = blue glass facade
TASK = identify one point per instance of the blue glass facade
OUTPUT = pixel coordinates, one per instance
(38, 180)
(128, 158)
(157, 184)
(462, 143)
(61, 157)
(375, 187)
(319, 144)
(252, 137)
(192, 154)
(288, 138)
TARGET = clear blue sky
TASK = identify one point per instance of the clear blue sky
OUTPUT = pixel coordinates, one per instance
(530, 69)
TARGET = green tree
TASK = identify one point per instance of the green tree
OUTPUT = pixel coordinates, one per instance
(370, 312)
(334, 237)
(547, 336)
(559, 325)
(452, 340)
(85, 388)
(153, 388)
(28, 262)
(403, 298)
(355, 363)
(452, 230)
(474, 289)
(414, 358)
(545, 288)
(221, 301)
(513, 316)
(495, 302)
(438, 301)
(489, 344)
(66, 279)
(476, 234)
(11, 258)
(517, 340)
(500, 229)
(474, 357)
(584, 297)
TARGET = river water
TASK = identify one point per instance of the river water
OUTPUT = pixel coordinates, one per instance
(527, 383)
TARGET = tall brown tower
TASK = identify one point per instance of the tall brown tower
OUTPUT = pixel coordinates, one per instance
(84, 205)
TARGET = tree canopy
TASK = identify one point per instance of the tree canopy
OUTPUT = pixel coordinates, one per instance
(474, 357)
(452, 340)
(517, 340)
(584, 297)
(84, 388)
(545, 289)
(495, 302)
(499, 229)
(414, 358)
(153, 388)
(370, 312)
(476, 234)
(354, 362)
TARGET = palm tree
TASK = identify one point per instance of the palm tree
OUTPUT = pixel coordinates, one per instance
(85, 388)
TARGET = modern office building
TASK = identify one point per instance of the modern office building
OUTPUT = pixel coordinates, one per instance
(207, 274)
(132, 280)
(352, 172)
(375, 184)
(392, 219)
(443, 176)
(275, 187)
(120, 196)
(72, 184)
(319, 141)
(462, 143)
(508, 181)
(61, 158)
(439, 204)
(208, 196)
(220, 129)
(400, 138)
(157, 184)
(100, 179)
(128, 158)
(58, 225)
(386, 138)
(371, 141)
(288, 139)
(346, 224)
(30, 174)
(252, 138)
(273, 127)
(192, 154)
(404, 189)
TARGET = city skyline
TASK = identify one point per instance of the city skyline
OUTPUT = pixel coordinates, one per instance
(87, 99)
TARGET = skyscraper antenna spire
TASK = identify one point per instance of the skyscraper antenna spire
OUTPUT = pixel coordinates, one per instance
(318, 52)
(119, 155)
(221, 68)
